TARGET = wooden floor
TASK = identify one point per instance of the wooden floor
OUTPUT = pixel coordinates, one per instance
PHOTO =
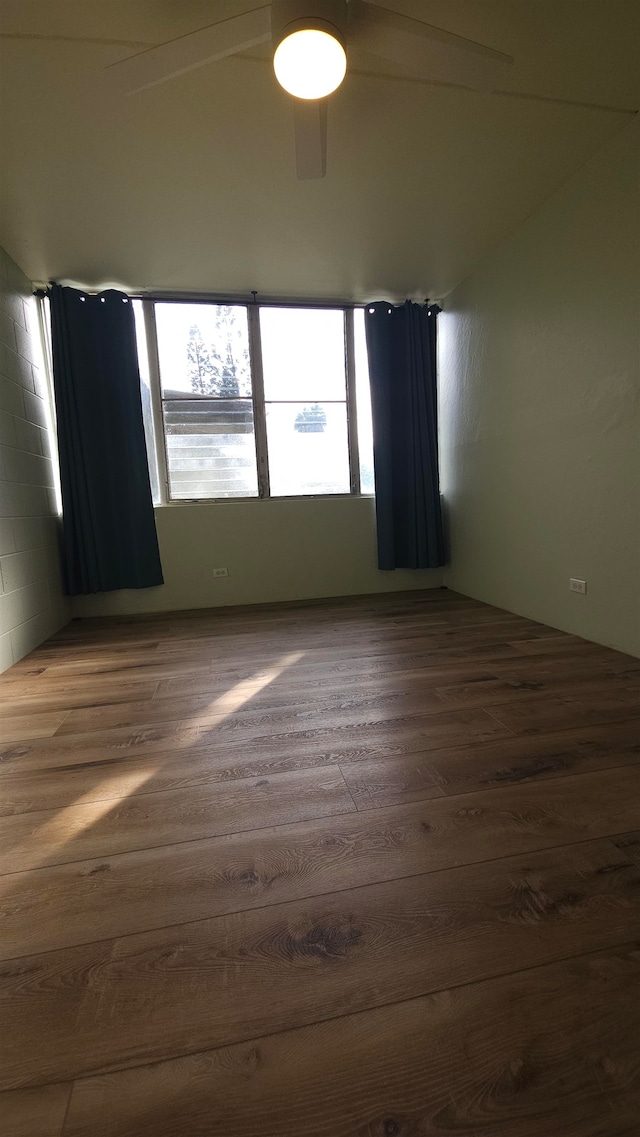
(360, 869)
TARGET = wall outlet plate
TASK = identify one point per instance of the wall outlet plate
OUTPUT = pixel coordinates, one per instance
(221, 572)
(577, 585)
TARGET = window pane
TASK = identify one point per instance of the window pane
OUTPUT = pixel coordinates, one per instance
(308, 452)
(303, 353)
(210, 447)
(363, 404)
(145, 393)
(204, 348)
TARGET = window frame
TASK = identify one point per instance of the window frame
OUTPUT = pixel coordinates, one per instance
(257, 397)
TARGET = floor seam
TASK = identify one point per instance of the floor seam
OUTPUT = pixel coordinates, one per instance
(112, 939)
(109, 1070)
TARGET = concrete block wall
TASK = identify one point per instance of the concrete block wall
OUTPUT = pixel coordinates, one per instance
(32, 604)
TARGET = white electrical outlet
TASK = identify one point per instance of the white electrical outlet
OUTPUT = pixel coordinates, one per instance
(221, 572)
(577, 585)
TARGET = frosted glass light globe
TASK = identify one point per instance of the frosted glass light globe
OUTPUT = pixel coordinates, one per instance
(310, 63)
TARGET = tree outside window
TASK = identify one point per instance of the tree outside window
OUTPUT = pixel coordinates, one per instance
(220, 367)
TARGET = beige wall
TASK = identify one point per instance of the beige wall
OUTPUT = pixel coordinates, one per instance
(540, 410)
(32, 606)
(274, 550)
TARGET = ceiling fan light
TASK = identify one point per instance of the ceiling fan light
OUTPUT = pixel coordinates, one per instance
(310, 63)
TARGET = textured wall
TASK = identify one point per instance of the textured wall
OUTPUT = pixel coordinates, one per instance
(540, 410)
(274, 550)
(32, 606)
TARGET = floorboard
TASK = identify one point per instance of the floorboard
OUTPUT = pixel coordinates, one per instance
(158, 994)
(111, 896)
(378, 782)
(363, 867)
(51, 780)
(559, 713)
(118, 825)
(36, 1112)
(15, 728)
(511, 1057)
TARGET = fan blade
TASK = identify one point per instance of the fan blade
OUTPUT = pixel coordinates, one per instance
(310, 123)
(167, 60)
(436, 53)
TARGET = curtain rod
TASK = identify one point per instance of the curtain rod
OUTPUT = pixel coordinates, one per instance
(241, 298)
(174, 297)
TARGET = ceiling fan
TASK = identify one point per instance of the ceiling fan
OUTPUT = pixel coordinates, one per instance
(311, 39)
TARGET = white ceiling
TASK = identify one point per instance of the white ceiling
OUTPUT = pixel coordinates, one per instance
(191, 185)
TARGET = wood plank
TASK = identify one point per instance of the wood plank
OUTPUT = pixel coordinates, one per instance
(564, 644)
(96, 747)
(512, 1057)
(182, 698)
(306, 748)
(74, 697)
(629, 844)
(65, 783)
(588, 665)
(93, 777)
(107, 897)
(445, 615)
(50, 989)
(231, 718)
(560, 647)
(232, 713)
(385, 781)
(163, 993)
(104, 827)
(16, 728)
(556, 713)
(52, 779)
(325, 681)
(484, 640)
(194, 678)
(498, 692)
(147, 668)
(457, 769)
(343, 733)
(36, 1112)
(396, 656)
(57, 651)
(355, 742)
(98, 773)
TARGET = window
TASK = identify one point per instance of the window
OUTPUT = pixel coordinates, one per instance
(305, 390)
(245, 401)
(207, 403)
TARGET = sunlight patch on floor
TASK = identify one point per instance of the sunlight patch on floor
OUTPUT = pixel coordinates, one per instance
(243, 691)
(91, 807)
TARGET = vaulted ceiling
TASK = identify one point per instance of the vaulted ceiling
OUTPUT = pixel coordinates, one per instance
(191, 184)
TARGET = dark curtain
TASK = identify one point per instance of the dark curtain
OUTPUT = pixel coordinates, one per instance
(109, 532)
(401, 344)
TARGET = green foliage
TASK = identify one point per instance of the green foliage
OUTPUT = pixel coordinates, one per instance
(221, 367)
